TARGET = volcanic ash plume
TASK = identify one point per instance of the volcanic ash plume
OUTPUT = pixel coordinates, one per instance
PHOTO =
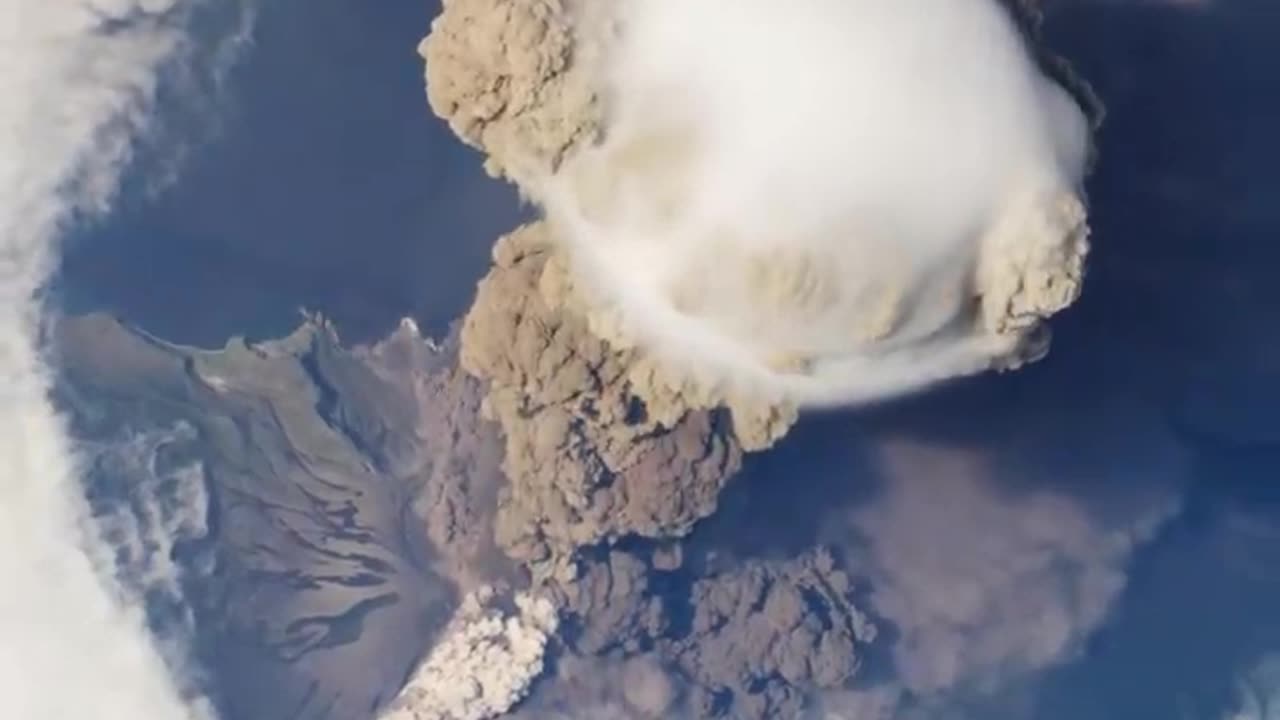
(832, 201)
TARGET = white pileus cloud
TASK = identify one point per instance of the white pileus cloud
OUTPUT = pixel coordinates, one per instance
(826, 201)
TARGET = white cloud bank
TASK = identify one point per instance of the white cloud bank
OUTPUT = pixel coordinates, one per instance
(77, 78)
(831, 201)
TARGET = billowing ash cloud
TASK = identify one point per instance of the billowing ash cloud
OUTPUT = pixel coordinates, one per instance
(834, 202)
(77, 78)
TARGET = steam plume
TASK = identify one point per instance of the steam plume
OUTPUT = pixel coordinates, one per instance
(485, 664)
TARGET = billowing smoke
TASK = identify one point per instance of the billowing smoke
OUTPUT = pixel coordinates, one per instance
(77, 79)
(829, 201)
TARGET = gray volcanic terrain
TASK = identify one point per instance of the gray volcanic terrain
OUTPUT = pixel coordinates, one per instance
(312, 581)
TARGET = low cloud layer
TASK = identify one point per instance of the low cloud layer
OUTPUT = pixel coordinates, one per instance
(77, 82)
(845, 201)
